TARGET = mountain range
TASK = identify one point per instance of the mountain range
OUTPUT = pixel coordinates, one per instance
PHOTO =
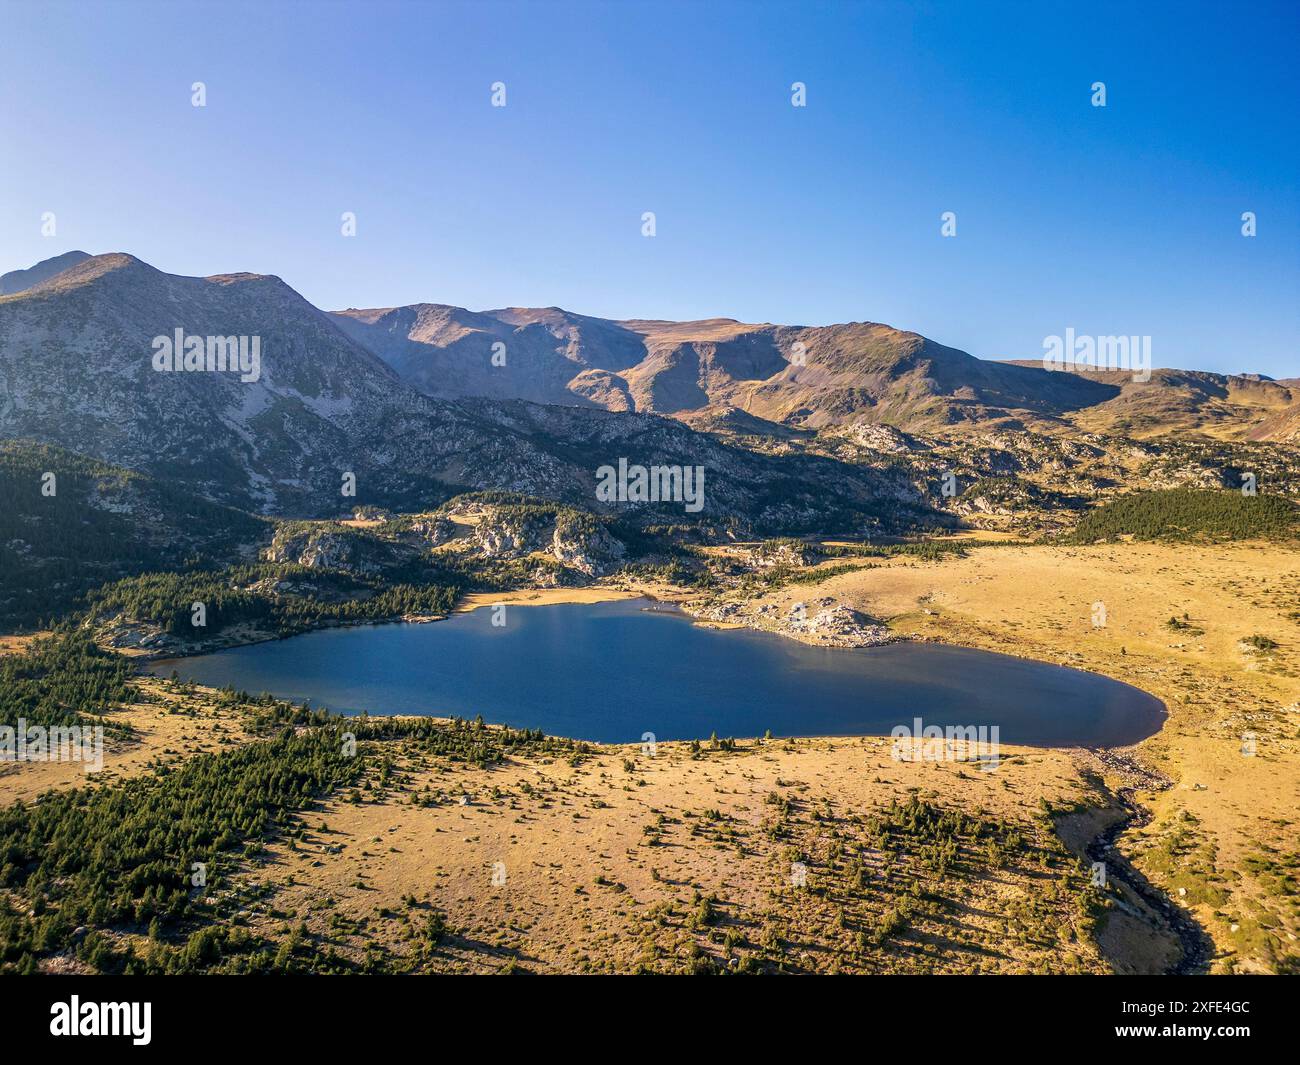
(20, 280)
(420, 402)
(812, 377)
(794, 376)
(77, 371)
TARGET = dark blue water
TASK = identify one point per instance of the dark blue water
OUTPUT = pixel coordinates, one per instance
(611, 672)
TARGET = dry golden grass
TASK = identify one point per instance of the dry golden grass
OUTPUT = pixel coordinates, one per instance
(543, 597)
(603, 864)
(167, 728)
(12, 645)
(1226, 831)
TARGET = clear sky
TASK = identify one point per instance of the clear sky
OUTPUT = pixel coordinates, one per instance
(1117, 220)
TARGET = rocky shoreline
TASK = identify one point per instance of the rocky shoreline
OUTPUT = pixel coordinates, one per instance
(144, 644)
(823, 622)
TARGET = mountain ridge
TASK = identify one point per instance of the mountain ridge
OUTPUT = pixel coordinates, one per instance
(20, 280)
(708, 372)
(801, 377)
(76, 371)
(804, 376)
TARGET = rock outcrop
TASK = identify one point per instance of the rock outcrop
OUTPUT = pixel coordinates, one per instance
(824, 622)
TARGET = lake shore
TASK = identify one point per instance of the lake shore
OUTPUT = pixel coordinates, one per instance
(1231, 744)
(1217, 827)
(547, 597)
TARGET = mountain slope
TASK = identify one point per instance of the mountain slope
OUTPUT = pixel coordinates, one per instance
(77, 370)
(802, 376)
(1228, 406)
(787, 494)
(448, 351)
(21, 280)
(94, 523)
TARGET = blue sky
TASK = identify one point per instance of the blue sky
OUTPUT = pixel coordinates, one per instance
(1115, 220)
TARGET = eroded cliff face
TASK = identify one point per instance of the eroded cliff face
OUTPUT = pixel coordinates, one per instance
(823, 621)
(515, 531)
(327, 545)
(463, 531)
